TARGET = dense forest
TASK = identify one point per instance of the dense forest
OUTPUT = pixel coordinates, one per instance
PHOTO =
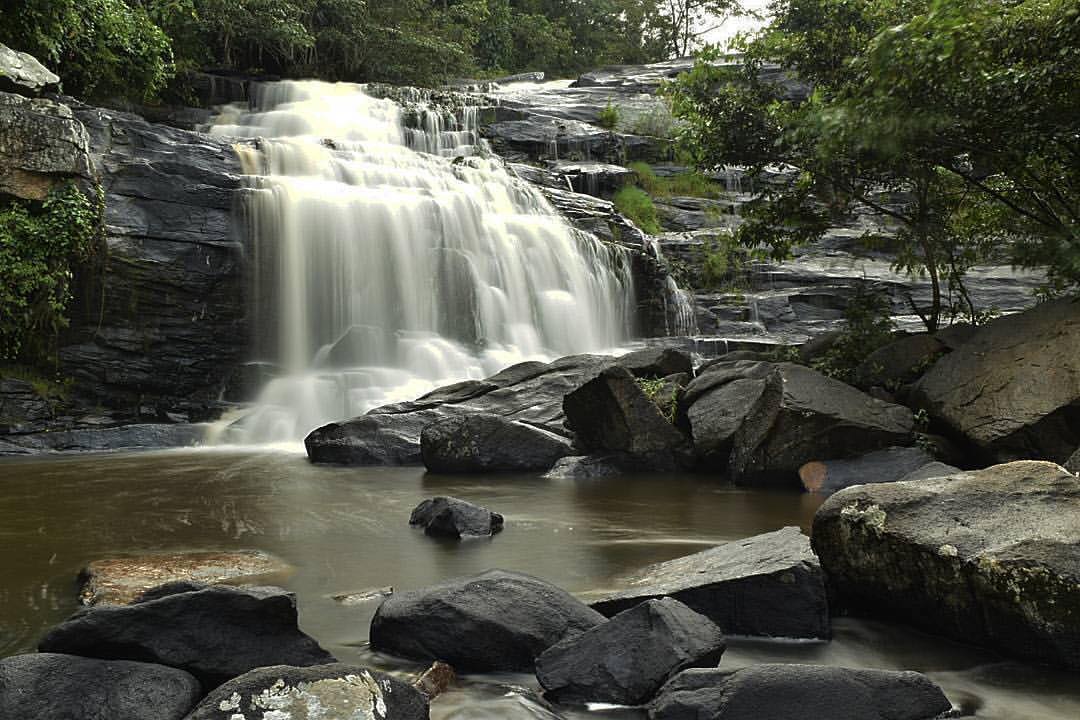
(141, 49)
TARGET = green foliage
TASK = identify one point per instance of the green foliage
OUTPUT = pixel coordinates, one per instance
(101, 49)
(657, 122)
(868, 326)
(722, 263)
(689, 184)
(654, 389)
(38, 246)
(608, 117)
(635, 203)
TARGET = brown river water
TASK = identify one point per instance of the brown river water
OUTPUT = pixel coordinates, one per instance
(346, 529)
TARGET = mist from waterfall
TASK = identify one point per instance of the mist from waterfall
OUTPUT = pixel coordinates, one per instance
(393, 257)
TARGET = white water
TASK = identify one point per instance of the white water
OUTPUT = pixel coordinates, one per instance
(393, 260)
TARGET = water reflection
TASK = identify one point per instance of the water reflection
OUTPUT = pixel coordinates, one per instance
(346, 530)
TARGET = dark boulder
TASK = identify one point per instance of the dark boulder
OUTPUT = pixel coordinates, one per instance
(214, 632)
(333, 691)
(657, 362)
(627, 659)
(888, 465)
(453, 518)
(799, 692)
(1013, 389)
(990, 557)
(611, 413)
(23, 74)
(483, 442)
(48, 686)
(585, 467)
(530, 392)
(489, 622)
(769, 584)
(901, 361)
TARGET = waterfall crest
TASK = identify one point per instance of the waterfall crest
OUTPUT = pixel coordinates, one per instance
(392, 259)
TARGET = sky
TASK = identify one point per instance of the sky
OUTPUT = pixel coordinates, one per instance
(738, 24)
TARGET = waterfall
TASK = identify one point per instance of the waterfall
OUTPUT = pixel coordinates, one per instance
(396, 256)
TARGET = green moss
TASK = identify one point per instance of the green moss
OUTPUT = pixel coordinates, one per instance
(608, 117)
(688, 184)
(634, 203)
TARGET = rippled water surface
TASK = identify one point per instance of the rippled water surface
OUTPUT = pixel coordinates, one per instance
(346, 530)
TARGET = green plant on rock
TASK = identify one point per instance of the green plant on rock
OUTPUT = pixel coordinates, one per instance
(635, 203)
(609, 117)
(868, 327)
(722, 263)
(39, 244)
(654, 389)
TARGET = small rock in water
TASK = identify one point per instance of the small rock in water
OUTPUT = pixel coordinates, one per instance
(626, 660)
(584, 467)
(50, 686)
(118, 581)
(453, 518)
(799, 692)
(436, 680)
(361, 596)
(333, 691)
(214, 632)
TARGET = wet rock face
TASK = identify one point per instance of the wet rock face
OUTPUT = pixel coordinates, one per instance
(41, 145)
(453, 518)
(301, 693)
(627, 659)
(483, 442)
(23, 74)
(769, 584)
(989, 557)
(50, 686)
(213, 632)
(22, 408)
(1013, 389)
(799, 692)
(119, 581)
(494, 621)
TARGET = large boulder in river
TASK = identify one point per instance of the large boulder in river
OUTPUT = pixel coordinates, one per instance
(494, 621)
(530, 392)
(1013, 389)
(119, 580)
(483, 442)
(799, 692)
(334, 691)
(611, 413)
(453, 518)
(761, 421)
(769, 584)
(627, 659)
(989, 557)
(23, 74)
(214, 632)
(49, 686)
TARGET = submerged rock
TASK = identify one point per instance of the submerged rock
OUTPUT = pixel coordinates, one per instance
(611, 413)
(49, 686)
(584, 467)
(494, 621)
(214, 632)
(453, 518)
(335, 691)
(118, 581)
(482, 442)
(799, 692)
(888, 465)
(989, 557)
(627, 659)
(769, 584)
(1013, 389)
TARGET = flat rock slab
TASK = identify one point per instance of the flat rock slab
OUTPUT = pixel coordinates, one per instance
(453, 518)
(214, 632)
(769, 584)
(118, 581)
(50, 686)
(799, 692)
(626, 660)
(334, 691)
(494, 621)
(989, 557)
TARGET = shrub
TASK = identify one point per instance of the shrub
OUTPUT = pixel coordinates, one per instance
(635, 203)
(658, 122)
(722, 261)
(608, 117)
(38, 245)
(869, 326)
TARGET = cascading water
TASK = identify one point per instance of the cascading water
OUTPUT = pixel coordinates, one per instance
(392, 259)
